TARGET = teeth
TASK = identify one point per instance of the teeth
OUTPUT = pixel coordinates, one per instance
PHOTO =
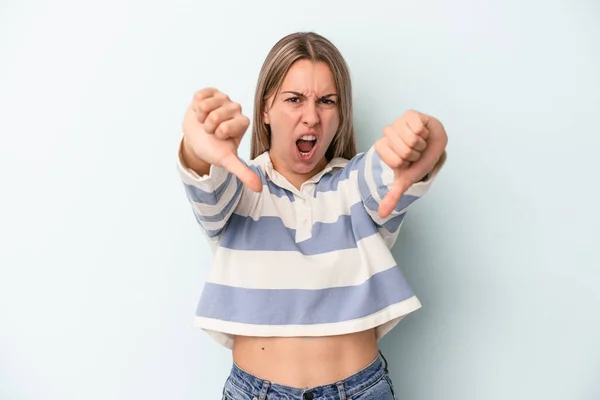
(309, 137)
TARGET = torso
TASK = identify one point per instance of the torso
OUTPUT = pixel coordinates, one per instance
(303, 282)
(307, 361)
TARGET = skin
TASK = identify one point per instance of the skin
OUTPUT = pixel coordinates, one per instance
(213, 128)
(306, 104)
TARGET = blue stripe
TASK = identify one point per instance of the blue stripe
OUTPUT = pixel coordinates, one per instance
(382, 190)
(279, 191)
(377, 171)
(212, 198)
(220, 216)
(270, 234)
(273, 188)
(364, 191)
(329, 182)
(209, 198)
(392, 224)
(301, 306)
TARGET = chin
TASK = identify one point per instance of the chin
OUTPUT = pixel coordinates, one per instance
(305, 163)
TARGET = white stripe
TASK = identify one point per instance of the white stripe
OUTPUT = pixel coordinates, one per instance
(213, 242)
(268, 205)
(212, 210)
(383, 321)
(368, 174)
(388, 174)
(292, 270)
(390, 237)
(326, 207)
(209, 182)
(419, 189)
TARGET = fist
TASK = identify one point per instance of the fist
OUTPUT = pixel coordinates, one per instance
(411, 146)
(213, 128)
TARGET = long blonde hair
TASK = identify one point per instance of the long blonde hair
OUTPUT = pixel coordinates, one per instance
(291, 48)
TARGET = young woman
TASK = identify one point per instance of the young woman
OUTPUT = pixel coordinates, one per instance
(303, 283)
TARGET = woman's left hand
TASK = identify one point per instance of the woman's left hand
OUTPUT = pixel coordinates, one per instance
(411, 146)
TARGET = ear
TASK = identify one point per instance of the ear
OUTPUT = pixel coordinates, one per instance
(266, 118)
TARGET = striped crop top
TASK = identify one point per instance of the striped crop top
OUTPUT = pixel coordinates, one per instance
(309, 262)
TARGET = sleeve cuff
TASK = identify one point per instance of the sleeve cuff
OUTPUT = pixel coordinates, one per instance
(386, 175)
(215, 177)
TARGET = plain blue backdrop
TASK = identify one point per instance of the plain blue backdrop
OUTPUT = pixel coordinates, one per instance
(101, 262)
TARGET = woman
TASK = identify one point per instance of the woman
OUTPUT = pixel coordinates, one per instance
(303, 283)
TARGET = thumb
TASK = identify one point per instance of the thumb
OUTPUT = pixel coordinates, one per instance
(248, 177)
(391, 199)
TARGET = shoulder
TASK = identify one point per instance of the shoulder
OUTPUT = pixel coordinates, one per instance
(344, 166)
(260, 164)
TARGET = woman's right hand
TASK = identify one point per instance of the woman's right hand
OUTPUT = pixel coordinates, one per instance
(213, 128)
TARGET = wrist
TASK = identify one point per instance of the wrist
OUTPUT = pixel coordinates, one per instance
(191, 160)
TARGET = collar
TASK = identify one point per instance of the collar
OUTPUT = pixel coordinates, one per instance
(264, 161)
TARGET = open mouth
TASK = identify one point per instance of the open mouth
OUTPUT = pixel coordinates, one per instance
(306, 145)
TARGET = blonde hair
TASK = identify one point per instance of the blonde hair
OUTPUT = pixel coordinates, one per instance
(288, 50)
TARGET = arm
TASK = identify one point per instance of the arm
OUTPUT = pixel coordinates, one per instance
(213, 194)
(211, 171)
(375, 178)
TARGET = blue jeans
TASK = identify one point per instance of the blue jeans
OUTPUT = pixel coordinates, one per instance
(370, 383)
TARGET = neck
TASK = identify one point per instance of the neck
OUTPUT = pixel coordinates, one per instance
(295, 178)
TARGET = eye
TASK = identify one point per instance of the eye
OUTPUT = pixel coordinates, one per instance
(327, 102)
(294, 100)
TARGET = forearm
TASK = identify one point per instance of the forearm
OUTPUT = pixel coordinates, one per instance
(212, 191)
(374, 180)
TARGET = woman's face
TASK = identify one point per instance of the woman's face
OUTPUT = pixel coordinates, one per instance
(303, 118)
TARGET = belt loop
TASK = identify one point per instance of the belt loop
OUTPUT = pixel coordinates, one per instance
(385, 363)
(264, 390)
(341, 390)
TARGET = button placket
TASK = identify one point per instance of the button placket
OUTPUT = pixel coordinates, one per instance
(303, 217)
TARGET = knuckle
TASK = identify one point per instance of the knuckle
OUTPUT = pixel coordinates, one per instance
(245, 122)
(223, 131)
(201, 117)
(388, 131)
(202, 93)
(203, 106)
(212, 119)
(396, 162)
(413, 114)
(413, 141)
(406, 153)
(199, 95)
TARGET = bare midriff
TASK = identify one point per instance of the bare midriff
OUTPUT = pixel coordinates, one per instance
(303, 362)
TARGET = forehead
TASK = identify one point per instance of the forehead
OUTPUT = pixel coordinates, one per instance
(309, 77)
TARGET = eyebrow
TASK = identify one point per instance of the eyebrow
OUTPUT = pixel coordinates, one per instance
(301, 95)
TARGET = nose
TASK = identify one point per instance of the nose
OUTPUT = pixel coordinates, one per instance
(310, 117)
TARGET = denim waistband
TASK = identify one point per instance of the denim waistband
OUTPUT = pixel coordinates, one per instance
(345, 388)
